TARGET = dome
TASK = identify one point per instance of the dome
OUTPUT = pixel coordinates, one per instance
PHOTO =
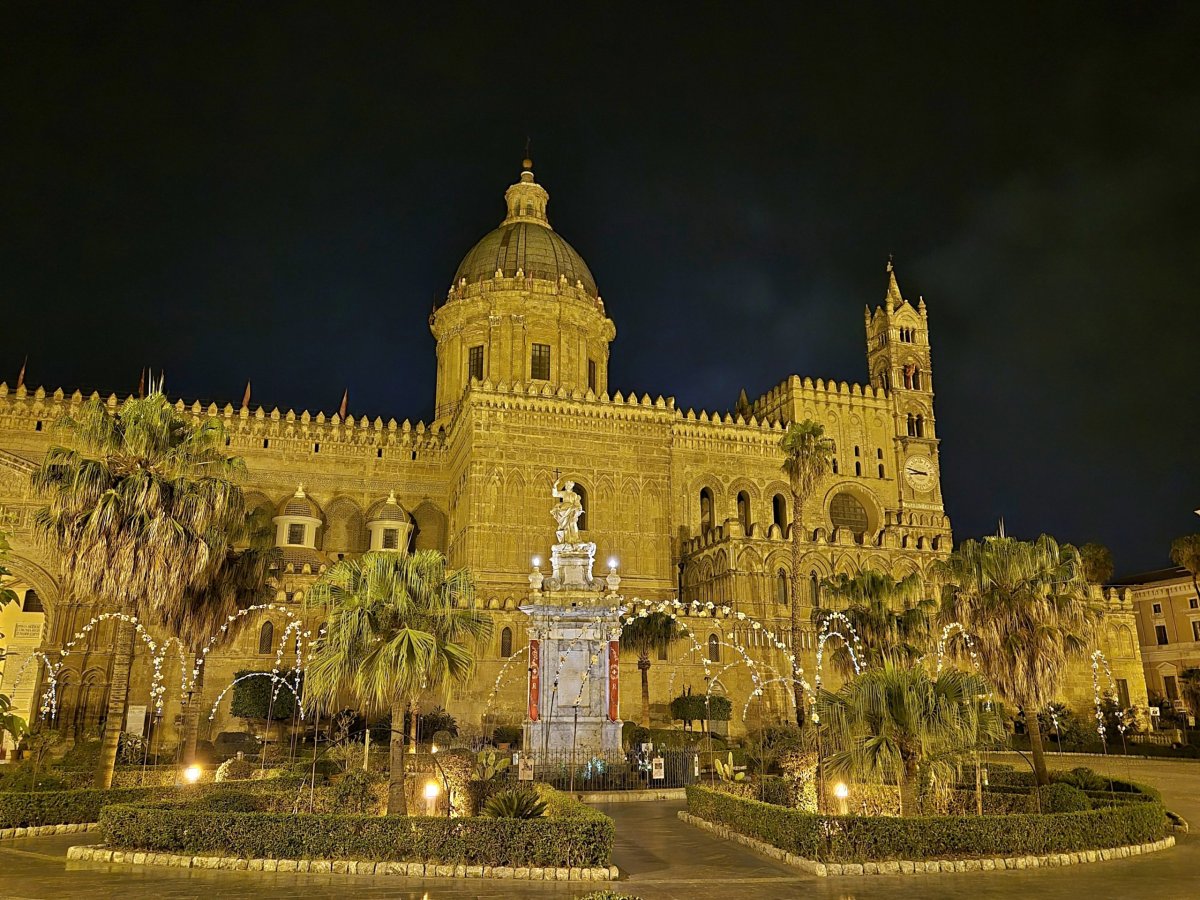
(525, 241)
(387, 511)
(299, 505)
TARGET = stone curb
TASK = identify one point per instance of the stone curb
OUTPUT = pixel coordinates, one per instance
(924, 866)
(8, 834)
(100, 853)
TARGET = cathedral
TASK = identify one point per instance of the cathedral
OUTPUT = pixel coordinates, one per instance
(682, 503)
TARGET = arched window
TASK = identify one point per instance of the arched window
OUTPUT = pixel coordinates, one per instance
(32, 602)
(857, 468)
(583, 501)
(743, 510)
(714, 648)
(706, 510)
(506, 643)
(663, 652)
(920, 425)
(916, 379)
(779, 511)
(814, 587)
(266, 638)
(781, 587)
(845, 511)
(912, 425)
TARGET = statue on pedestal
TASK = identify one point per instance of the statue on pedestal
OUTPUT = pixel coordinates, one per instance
(566, 511)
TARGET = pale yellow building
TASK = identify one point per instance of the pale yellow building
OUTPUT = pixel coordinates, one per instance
(1168, 623)
(688, 502)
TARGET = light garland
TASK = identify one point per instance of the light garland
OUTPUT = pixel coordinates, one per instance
(277, 680)
(1100, 660)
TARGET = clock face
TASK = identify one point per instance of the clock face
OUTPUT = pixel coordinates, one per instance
(919, 472)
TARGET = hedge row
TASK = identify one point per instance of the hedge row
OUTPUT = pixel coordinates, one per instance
(571, 834)
(866, 838)
(21, 809)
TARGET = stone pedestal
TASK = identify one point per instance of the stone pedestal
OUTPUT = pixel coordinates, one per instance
(573, 684)
(572, 567)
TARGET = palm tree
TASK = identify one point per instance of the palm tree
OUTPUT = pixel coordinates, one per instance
(807, 454)
(646, 636)
(899, 724)
(143, 506)
(398, 625)
(1027, 610)
(1097, 563)
(240, 580)
(1185, 551)
(890, 617)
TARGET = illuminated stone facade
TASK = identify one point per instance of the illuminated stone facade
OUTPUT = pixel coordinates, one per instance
(690, 503)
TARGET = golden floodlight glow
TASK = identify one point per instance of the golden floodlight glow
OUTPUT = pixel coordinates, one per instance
(612, 562)
(192, 774)
(841, 791)
(432, 790)
(537, 561)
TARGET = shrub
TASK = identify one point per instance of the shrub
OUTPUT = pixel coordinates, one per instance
(131, 749)
(252, 698)
(570, 834)
(1057, 798)
(635, 735)
(858, 838)
(357, 792)
(508, 734)
(234, 769)
(83, 755)
(1083, 778)
(700, 707)
(514, 805)
(18, 809)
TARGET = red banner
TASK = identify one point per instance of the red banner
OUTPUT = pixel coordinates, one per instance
(614, 680)
(535, 678)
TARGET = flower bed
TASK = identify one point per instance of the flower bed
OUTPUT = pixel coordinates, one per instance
(869, 838)
(571, 834)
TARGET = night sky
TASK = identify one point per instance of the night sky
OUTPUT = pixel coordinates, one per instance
(281, 192)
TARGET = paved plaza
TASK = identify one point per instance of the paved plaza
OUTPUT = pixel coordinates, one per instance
(662, 859)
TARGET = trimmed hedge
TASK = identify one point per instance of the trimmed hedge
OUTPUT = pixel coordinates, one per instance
(863, 838)
(76, 807)
(571, 834)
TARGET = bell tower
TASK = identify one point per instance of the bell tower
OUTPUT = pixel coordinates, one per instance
(898, 361)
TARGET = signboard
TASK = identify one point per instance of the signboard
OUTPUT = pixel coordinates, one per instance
(535, 677)
(1155, 712)
(135, 719)
(660, 770)
(614, 680)
(647, 747)
(525, 769)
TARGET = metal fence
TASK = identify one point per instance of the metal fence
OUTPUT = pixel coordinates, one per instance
(580, 770)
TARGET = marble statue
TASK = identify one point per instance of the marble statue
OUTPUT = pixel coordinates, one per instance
(566, 511)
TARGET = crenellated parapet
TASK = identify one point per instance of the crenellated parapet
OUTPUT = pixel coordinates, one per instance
(37, 411)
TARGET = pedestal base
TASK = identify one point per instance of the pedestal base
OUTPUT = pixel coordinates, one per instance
(563, 734)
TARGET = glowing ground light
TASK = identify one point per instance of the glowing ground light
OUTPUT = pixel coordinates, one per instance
(192, 774)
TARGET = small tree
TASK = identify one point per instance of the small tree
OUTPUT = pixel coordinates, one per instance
(648, 636)
(1097, 563)
(262, 698)
(901, 725)
(1185, 551)
(1189, 687)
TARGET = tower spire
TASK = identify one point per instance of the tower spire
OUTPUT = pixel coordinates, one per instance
(893, 297)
